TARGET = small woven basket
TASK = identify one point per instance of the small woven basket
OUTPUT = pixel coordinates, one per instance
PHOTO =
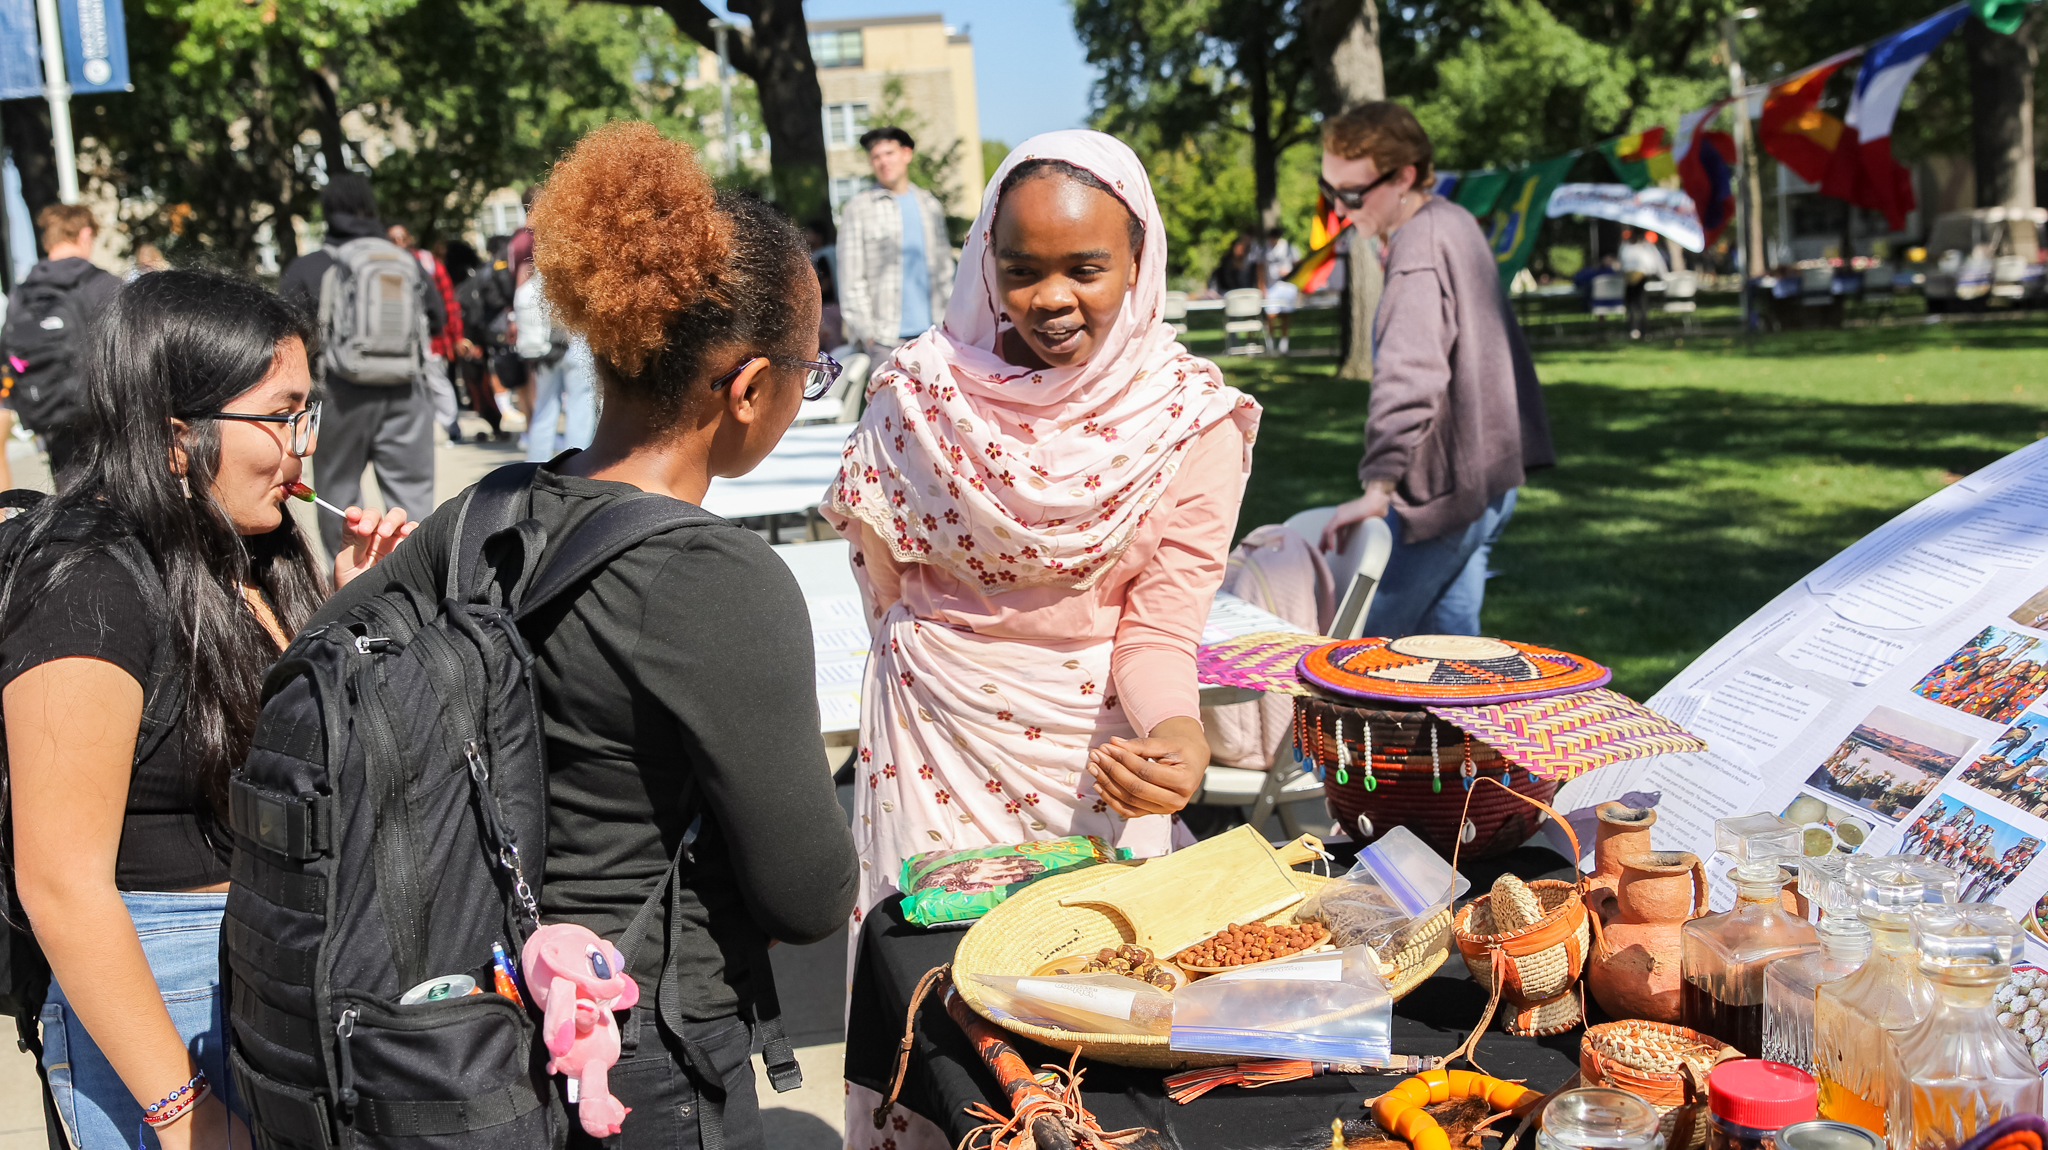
(1031, 928)
(1665, 1065)
(1533, 938)
(1416, 776)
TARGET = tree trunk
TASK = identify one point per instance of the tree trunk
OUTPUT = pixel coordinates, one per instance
(327, 117)
(1252, 56)
(26, 127)
(1349, 73)
(776, 56)
(2002, 115)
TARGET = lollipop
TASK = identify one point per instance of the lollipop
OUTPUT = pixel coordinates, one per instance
(301, 491)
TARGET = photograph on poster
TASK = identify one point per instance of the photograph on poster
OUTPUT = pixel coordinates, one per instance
(1994, 676)
(1985, 853)
(2014, 768)
(2034, 612)
(1889, 763)
(1827, 827)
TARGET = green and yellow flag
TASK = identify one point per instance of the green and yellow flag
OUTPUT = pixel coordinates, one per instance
(1641, 159)
(1518, 213)
(1476, 191)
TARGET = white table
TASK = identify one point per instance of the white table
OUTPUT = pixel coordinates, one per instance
(840, 634)
(791, 481)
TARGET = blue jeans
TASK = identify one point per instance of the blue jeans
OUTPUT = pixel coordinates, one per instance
(181, 938)
(565, 389)
(1436, 587)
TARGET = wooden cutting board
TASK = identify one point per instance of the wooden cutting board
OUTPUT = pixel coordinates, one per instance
(1180, 899)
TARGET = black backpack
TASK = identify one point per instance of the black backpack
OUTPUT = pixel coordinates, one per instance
(44, 337)
(24, 974)
(389, 826)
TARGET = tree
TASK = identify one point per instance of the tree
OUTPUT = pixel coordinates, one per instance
(776, 54)
(1175, 70)
(1349, 72)
(2002, 111)
(932, 168)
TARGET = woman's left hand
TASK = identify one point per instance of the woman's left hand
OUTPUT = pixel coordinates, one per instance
(1152, 776)
(367, 539)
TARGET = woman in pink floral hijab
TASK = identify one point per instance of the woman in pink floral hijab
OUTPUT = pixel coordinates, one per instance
(1041, 495)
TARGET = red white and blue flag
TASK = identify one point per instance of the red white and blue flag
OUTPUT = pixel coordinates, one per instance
(1706, 163)
(1862, 169)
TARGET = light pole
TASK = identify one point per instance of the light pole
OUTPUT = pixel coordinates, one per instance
(725, 95)
(57, 90)
(1748, 239)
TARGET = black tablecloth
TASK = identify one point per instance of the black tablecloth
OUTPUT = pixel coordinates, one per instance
(945, 1076)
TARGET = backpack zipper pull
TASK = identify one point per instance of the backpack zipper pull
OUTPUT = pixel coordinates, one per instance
(367, 644)
(343, 1031)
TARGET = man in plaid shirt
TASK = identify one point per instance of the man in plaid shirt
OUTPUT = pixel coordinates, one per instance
(895, 262)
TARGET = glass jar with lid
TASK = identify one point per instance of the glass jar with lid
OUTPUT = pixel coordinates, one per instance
(1599, 1118)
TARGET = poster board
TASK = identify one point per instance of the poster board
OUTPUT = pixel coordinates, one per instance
(1896, 699)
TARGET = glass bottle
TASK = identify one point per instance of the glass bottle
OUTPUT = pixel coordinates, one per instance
(1790, 982)
(1722, 956)
(1957, 1070)
(1599, 1118)
(1853, 1018)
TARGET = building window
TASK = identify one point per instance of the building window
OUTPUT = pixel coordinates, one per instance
(836, 49)
(845, 188)
(844, 123)
(502, 219)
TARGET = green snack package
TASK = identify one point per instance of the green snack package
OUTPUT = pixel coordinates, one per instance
(960, 886)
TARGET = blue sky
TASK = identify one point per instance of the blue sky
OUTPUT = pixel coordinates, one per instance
(1030, 74)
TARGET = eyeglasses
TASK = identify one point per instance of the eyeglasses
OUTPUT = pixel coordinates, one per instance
(819, 376)
(302, 427)
(1354, 198)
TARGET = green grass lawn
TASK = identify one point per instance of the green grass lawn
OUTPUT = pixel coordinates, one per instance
(1697, 478)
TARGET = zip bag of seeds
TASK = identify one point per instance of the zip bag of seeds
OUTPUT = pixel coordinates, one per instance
(1398, 880)
(1329, 1006)
(941, 887)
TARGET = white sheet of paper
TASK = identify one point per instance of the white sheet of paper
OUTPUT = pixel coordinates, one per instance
(2001, 539)
(841, 673)
(1844, 651)
(1911, 589)
(1753, 715)
(838, 712)
(841, 639)
(845, 610)
(1230, 616)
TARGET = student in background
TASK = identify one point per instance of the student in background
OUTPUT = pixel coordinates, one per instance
(45, 336)
(895, 263)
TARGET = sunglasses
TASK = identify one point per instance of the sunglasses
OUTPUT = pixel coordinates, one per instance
(819, 374)
(302, 428)
(1353, 198)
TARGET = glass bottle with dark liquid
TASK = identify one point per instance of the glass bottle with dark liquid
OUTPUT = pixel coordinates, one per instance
(1722, 956)
(1854, 1019)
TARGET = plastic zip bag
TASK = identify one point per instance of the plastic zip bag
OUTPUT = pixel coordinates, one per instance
(1090, 1003)
(1330, 1006)
(1398, 881)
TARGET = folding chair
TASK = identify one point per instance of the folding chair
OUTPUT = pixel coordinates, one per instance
(1610, 293)
(1244, 312)
(1176, 311)
(1679, 292)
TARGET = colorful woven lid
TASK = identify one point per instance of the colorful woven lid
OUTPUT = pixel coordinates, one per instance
(1457, 669)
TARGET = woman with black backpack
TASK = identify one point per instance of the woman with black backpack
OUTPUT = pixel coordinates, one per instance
(676, 687)
(138, 613)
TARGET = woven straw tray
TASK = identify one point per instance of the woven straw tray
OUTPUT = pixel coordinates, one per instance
(1031, 929)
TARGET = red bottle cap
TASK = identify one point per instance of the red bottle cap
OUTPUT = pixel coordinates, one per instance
(1761, 1094)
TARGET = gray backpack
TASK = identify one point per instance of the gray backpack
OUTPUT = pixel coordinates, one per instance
(373, 326)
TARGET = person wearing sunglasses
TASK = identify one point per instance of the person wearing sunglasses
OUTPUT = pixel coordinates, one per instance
(678, 685)
(1456, 419)
(139, 610)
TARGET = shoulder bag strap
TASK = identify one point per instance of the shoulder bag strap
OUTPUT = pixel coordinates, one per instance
(612, 532)
(494, 504)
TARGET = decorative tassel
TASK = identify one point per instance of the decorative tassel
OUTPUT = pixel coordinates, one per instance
(1371, 784)
(1344, 757)
(1436, 769)
(1470, 771)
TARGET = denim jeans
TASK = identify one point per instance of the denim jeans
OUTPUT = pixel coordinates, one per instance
(666, 1109)
(1437, 586)
(565, 390)
(181, 938)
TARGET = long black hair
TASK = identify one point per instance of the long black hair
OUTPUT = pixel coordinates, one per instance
(180, 344)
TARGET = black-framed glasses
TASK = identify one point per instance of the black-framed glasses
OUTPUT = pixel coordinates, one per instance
(819, 374)
(302, 428)
(1354, 198)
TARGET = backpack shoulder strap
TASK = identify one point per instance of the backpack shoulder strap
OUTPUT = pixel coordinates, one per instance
(610, 533)
(495, 503)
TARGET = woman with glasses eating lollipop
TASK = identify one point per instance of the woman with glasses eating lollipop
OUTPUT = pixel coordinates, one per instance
(676, 688)
(139, 611)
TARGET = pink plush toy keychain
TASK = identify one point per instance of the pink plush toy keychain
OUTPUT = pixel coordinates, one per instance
(578, 979)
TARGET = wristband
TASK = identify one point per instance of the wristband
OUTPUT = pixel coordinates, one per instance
(177, 1103)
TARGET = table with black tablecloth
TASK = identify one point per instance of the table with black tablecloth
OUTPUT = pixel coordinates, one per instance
(945, 1076)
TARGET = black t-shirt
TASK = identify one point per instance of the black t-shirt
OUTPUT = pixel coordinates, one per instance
(96, 611)
(686, 661)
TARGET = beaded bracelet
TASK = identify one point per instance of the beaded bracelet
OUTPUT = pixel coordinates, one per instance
(177, 1103)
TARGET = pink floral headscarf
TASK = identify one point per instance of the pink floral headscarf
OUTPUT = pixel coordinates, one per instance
(1010, 477)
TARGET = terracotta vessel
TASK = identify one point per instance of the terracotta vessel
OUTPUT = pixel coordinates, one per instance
(1635, 969)
(1622, 830)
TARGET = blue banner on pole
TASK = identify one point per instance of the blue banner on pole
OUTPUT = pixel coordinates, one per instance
(95, 45)
(21, 56)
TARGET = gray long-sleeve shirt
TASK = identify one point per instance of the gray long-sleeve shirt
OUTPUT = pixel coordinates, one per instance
(1456, 416)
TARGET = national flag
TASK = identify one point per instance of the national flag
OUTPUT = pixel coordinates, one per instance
(1519, 212)
(2001, 16)
(1641, 159)
(1861, 169)
(1477, 191)
(1313, 272)
(1794, 129)
(1706, 161)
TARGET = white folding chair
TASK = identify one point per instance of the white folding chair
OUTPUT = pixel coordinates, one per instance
(1609, 294)
(1817, 287)
(1679, 292)
(1176, 311)
(1244, 313)
(1356, 569)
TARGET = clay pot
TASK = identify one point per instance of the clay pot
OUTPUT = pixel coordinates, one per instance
(1635, 968)
(1622, 830)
